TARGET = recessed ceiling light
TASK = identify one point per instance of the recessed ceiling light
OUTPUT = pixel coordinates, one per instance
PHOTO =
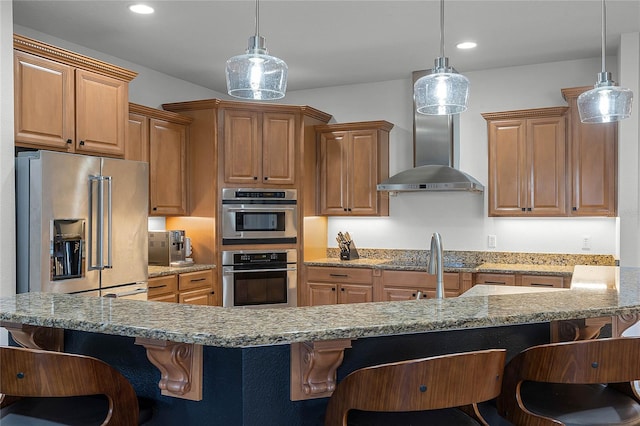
(466, 45)
(142, 9)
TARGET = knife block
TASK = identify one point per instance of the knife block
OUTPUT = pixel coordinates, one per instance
(350, 253)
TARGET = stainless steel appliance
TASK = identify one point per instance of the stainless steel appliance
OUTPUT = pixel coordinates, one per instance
(259, 279)
(259, 216)
(168, 248)
(81, 224)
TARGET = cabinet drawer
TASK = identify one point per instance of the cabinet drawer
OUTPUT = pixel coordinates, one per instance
(542, 281)
(196, 297)
(162, 285)
(496, 279)
(420, 280)
(169, 297)
(194, 280)
(340, 275)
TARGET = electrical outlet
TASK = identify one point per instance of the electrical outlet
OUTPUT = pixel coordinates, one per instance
(586, 242)
(491, 241)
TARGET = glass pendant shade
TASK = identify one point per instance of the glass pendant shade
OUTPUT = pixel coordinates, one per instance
(605, 103)
(441, 92)
(256, 75)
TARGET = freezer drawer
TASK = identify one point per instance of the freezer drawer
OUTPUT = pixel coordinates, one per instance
(138, 291)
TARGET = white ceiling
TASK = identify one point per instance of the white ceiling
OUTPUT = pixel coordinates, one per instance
(330, 42)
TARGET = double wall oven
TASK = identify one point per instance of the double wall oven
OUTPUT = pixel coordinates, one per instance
(262, 276)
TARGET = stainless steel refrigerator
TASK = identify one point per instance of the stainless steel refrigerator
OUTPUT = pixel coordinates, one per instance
(81, 224)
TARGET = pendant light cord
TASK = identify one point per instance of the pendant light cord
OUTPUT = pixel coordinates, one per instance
(442, 28)
(257, 20)
(604, 35)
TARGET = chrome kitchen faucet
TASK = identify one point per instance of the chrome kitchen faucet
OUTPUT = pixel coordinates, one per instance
(435, 266)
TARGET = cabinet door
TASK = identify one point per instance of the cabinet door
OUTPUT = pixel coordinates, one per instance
(507, 167)
(197, 297)
(242, 147)
(167, 168)
(394, 294)
(137, 147)
(102, 107)
(546, 162)
(44, 103)
(362, 173)
(333, 173)
(278, 148)
(322, 294)
(354, 293)
(594, 166)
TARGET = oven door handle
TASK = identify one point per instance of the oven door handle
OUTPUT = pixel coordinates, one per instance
(269, 209)
(227, 270)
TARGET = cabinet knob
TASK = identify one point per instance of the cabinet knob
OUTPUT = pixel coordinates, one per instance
(81, 142)
(266, 178)
(154, 209)
(255, 178)
(349, 209)
(333, 289)
(344, 209)
(574, 208)
(69, 141)
(342, 289)
(523, 209)
(528, 209)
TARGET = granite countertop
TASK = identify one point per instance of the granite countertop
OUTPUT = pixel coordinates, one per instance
(161, 271)
(396, 265)
(237, 327)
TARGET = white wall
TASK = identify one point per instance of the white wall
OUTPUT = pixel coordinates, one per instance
(149, 88)
(629, 154)
(462, 218)
(7, 209)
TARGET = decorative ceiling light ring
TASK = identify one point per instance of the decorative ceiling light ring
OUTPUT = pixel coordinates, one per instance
(443, 91)
(606, 102)
(256, 75)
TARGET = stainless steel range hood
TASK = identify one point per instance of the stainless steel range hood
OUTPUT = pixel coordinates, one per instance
(434, 157)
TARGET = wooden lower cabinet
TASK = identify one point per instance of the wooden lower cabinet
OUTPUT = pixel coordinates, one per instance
(195, 288)
(405, 285)
(526, 280)
(163, 289)
(331, 285)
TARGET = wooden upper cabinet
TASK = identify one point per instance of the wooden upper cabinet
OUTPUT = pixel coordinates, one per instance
(167, 168)
(68, 102)
(161, 138)
(50, 122)
(259, 147)
(527, 162)
(593, 162)
(352, 159)
(101, 114)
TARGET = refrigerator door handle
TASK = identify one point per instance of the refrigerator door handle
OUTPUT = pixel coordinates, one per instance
(90, 265)
(109, 222)
(99, 217)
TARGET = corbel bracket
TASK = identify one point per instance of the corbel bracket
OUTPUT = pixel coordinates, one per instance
(180, 366)
(313, 367)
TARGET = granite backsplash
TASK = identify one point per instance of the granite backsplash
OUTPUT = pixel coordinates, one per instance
(452, 257)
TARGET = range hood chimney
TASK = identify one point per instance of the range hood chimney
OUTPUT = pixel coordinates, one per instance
(434, 139)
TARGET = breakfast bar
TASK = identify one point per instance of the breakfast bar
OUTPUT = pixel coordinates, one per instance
(255, 366)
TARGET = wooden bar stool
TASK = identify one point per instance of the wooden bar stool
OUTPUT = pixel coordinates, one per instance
(420, 391)
(585, 382)
(87, 390)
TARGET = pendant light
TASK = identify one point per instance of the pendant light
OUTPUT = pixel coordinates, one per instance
(256, 75)
(443, 91)
(606, 102)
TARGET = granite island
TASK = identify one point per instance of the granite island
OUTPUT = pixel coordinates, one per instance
(249, 371)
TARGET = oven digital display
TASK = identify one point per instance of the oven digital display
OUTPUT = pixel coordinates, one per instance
(260, 221)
